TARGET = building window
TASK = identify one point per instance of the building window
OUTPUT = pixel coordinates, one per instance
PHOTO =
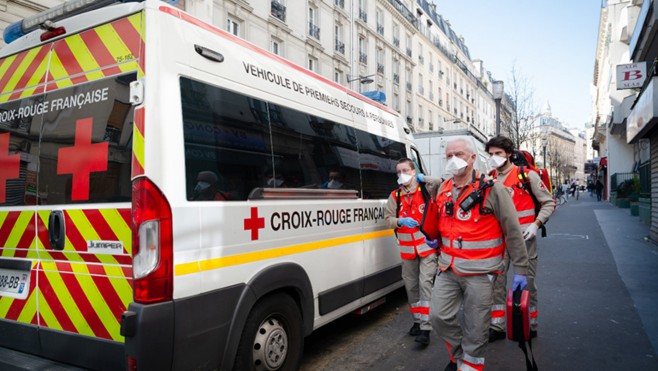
(313, 64)
(313, 29)
(396, 34)
(363, 51)
(233, 26)
(380, 22)
(276, 46)
(338, 38)
(380, 61)
(338, 76)
(278, 9)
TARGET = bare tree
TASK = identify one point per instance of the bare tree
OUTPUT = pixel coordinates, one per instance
(520, 95)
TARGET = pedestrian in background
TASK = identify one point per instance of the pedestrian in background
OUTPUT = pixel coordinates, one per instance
(598, 186)
(590, 188)
(564, 188)
(404, 212)
(534, 205)
(477, 221)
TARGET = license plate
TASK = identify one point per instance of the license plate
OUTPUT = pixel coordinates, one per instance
(14, 283)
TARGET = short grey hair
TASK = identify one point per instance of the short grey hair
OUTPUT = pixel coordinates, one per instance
(468, 141)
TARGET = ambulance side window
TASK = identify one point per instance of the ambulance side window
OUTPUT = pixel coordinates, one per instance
(227, 142)
(378, 157)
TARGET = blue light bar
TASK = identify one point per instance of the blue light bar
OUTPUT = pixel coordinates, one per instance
(12, 32)
(56, 13)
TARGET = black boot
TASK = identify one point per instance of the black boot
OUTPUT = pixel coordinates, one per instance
(452, 366)
(495, 335)
(415, 329)
(424, 337)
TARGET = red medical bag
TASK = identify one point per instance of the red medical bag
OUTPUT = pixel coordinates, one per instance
(518, 315)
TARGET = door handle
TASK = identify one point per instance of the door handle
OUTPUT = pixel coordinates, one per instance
(56, 230)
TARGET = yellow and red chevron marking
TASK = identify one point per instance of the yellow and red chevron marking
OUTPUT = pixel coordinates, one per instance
(22, 310)
(106, 50)
(138, 143)
(87, 225)
(87, 299)
(23, 73)
(17, 234)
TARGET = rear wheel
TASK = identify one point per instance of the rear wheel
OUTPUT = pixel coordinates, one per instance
(272, 338)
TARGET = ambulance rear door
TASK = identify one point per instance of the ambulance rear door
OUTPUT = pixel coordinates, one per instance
(74, 150)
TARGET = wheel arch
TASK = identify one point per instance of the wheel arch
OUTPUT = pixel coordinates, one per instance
(290, 278)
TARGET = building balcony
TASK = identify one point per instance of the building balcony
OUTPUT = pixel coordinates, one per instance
(340, 47)
(314, 30)
(363, 15)
(396, 79)
(380, 68)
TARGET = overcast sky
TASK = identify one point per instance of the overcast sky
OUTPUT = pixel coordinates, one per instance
(552, 43)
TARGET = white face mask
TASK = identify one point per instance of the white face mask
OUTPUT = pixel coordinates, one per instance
(404, 179)
(496, 161)
(334, 184)
(456, 166)
(201, 186)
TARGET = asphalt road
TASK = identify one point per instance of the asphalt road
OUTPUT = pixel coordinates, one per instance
(597, 307)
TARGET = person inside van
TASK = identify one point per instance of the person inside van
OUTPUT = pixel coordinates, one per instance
(206, 188)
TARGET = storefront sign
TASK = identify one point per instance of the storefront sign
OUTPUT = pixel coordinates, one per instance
(630, 76)
(643, 112)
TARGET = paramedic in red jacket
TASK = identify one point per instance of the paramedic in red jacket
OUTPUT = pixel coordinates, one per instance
(473, 243)
(404, 212)
(501, 149)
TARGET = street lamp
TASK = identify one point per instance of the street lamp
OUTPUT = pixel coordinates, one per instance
(362, 79)
(498, 91)
(544, 143)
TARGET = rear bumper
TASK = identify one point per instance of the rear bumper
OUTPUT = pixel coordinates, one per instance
(13, 360)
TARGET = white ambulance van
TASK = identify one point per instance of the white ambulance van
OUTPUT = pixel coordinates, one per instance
(175, 198)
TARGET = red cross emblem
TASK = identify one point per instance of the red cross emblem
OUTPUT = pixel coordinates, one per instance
(9, 166)
(254, 223)
(82, 159)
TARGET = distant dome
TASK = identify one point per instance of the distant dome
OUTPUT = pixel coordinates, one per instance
(547, 109)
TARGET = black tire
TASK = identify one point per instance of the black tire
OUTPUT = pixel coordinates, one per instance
(272, 338)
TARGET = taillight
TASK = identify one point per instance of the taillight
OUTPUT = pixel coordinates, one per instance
(152, 243)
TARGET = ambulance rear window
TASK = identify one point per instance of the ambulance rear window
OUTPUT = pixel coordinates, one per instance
(71, 145)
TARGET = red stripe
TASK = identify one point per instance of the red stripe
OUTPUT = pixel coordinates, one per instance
(85, 307)
(79, 243)
(497, 313)
(100, 53)
(28, 235)
(103, 229)
(7, 227)
(112, 299)
(129, 35)
(54, 304)
(205, 26)
(38, 59)
(69, 62)
(126, 214)
(534, 314)
(10, 71)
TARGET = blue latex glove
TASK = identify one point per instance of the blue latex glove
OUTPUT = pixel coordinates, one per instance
(420, 177)
(407, 222)
(519, 281)
(433, 244)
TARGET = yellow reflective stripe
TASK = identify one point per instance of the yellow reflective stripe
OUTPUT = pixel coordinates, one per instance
(88, 232)
(22, 222)
(58, 72)
(3, 217)
(49, 318)
(96, 300)
(62, 293)
(30, 308)
(84, 57)
(138, 145)
(20, 70)
(119, 227)
(113, 42)
(4, 65)
(237, 259)
(5, 303)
